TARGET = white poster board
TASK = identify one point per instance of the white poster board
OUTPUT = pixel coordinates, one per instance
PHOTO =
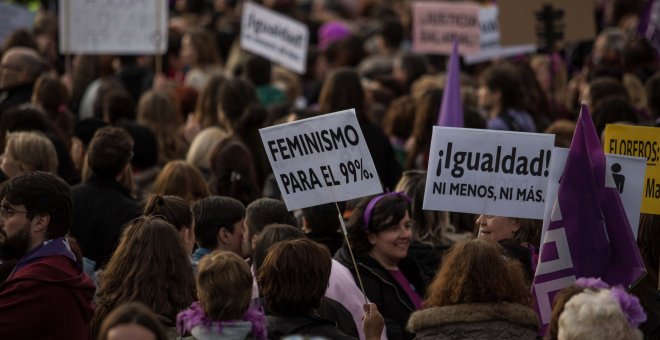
(114, 27)
(628, 179)
(13, 17)
(489, 172)
(321, 160)
(275, 37)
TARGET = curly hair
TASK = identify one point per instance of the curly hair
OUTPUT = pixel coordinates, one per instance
(595, 315)
(386, 213)
(476, 272)
(150, 265)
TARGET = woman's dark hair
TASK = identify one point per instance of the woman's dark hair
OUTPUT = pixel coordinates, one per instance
(235, 96)
(232, 171)
(206, 109)
(505, 79)
(19, 38)
(214, 213)
(605, 87)
(150, 265)
(387, 212)
(173, 209)
(272, 234)
(342, 90)
(426, 113)
(415, 66)
(400, 118)
(613, 110)
(294, 276)
(247, 131)
(134, 313)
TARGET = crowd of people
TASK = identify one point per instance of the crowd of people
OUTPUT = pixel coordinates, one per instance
(138, 202)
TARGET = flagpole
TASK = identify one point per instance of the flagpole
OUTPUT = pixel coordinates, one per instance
(348, 244)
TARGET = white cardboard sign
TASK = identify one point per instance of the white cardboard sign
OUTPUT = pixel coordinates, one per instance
(275, 37)
(627, 177)
(490, 39)
(489, 172)
(116, 27)
(321, 160)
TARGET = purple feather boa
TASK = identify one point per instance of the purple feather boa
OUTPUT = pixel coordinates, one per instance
(194, 316)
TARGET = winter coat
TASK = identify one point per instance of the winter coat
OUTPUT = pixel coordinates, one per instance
(49, 298)
(383, 290)
(101, 207)
(194, 321)
(496, 321)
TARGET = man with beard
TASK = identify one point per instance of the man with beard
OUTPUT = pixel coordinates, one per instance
(47, 296)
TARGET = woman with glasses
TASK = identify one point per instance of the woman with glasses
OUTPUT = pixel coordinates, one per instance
(380, 232)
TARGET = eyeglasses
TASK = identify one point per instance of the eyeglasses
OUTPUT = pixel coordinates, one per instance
(6, 212)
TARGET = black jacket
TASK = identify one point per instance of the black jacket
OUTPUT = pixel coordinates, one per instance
(308, 324)
(14, 96)
(383, 289)
(102, 207)
(428, 257)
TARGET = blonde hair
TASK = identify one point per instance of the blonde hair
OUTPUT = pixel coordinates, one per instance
(224, 286)
(199, 153)
(595, 315)
(32, 151)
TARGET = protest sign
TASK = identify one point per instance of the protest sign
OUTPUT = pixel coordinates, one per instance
(588, 234)
(625, 173)
(490, 39)
(275, 37)
(488, 172)
(643, 142)
(117, 27)
(13, 17)
(321, 160)
(435, 24)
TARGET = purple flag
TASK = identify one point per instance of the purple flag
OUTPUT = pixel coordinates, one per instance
(588, 234)
(451, 111)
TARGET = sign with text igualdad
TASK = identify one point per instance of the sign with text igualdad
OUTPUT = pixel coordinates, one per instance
(488, 172)
(275, 37)
(321, 160)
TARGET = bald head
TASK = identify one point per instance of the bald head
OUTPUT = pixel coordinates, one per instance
(20, 65)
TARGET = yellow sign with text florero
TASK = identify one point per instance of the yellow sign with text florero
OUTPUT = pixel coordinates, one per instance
(639, 141)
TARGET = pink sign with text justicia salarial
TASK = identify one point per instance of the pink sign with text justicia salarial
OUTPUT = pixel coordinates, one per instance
(436, 23)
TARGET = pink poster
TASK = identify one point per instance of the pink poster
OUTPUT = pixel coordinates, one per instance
(435, 23)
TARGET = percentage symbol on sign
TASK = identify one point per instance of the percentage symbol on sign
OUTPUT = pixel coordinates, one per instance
(364, 174)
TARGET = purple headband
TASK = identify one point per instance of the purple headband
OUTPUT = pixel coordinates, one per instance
(370, 206)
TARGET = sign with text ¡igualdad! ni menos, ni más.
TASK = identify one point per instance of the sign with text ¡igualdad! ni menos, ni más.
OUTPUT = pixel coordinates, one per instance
(489, 172)
(275, 37)
(321, 160)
